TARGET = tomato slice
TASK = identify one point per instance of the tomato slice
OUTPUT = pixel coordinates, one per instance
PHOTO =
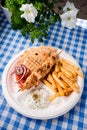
(20, 83)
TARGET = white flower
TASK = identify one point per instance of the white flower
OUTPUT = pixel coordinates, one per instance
(30, 12)
(69, 16)
(70, 6)
(69, 19)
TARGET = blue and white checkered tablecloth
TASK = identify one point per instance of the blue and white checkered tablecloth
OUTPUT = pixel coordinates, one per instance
(12, 42)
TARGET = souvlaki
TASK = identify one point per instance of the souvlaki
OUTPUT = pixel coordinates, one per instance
(34, 65)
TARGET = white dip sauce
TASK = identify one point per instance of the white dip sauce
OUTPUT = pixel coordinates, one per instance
(37, 98)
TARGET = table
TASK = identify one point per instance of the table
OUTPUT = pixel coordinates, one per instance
(12, 42)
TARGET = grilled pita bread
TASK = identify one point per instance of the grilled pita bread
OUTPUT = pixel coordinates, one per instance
(39, 60)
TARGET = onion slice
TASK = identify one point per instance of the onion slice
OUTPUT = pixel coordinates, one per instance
(19, 70)
(24, 69)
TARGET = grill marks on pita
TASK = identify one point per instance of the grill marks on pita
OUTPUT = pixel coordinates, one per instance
(39, 61)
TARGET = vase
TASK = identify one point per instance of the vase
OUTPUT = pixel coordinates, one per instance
(6, 11)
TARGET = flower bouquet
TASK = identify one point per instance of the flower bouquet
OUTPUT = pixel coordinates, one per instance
(35, 17)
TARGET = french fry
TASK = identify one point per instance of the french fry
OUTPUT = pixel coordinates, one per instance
(79, 73)
(59, 74)
(66, 72)
(73, 67)
(67, 93)
(57, 69)
(54, 96)
(68, 68)
(65, 84)
(70, 63)
(60, 89)
(68, 89)
(69, 82)
(51, 79)
(76, 84)
(73, 79)
(48, 85)
(58, 80)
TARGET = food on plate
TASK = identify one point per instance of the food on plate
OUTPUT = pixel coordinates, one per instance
(63, 80)
(41, 64)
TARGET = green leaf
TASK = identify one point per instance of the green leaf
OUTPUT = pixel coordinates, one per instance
(39, 6)
(21, 1)
(11, 5)
(17, 21)
(24, 31)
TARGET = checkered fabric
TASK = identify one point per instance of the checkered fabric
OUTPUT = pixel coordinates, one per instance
(12, 42)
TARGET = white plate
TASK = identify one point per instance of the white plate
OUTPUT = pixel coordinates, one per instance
(62, 106)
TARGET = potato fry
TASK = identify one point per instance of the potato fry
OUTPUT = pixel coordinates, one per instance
(73, 67)
(60, 89)
(79, 73)
(65, 84)
(68, 68)
(66, 72)
(51, 79)
(73, 79)
(76, 84)
(70, 63)
(58, 80)
(59, 74)
(67, 93)
(69, 82)
(48, 85)
(57, 69)
(54, 96)
(69, 89)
